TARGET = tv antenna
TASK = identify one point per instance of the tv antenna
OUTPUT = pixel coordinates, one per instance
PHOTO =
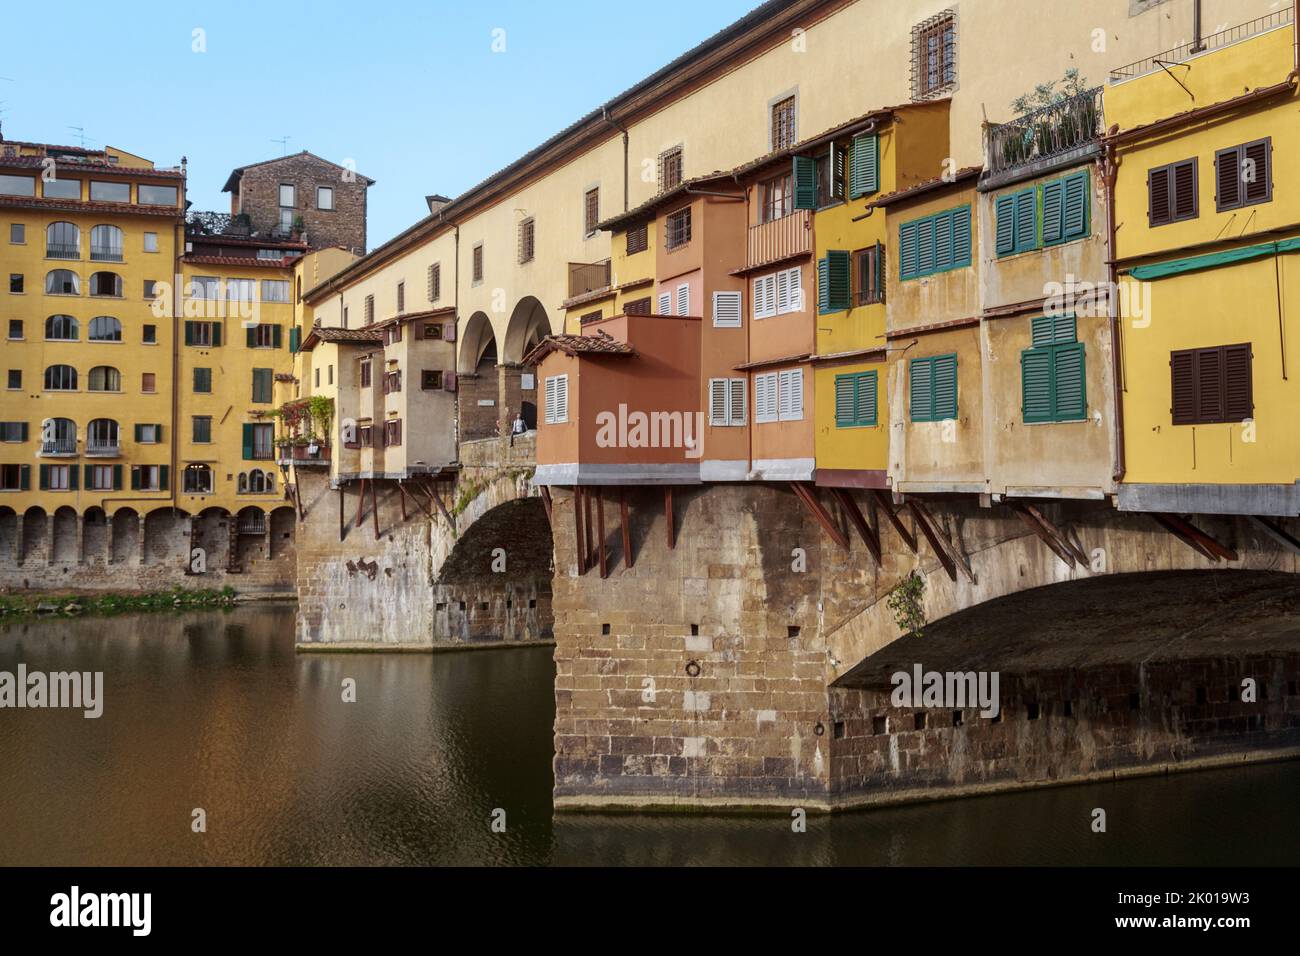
(81, 134)
(284, 144)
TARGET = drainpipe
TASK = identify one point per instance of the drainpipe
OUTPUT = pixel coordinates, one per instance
(1197, 45)
(455, 317)
(1109, 172)
(604, 114)
(178, 230)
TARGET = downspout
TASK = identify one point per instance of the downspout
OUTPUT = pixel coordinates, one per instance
(1197, 45)
(178, 248)
(455, 317)
(604, 114)
(1109, 172)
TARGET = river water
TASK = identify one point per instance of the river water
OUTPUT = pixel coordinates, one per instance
(214, 710)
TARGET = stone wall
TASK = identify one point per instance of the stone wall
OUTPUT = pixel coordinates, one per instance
(345, 225)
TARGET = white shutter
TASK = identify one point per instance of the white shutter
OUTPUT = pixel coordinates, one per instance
(756, 296)
(717, 401)
(665, 303)
(795, 282)
(791, 395)
(562, 398)
(683, 300)
(765, 406)
(726, 310)
(737, 409)
(782, 292)
(550, 401)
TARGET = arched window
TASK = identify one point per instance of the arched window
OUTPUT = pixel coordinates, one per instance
(60, 378)
(62, 241)
(62, 282)
(106, 283)
(197, 480)
(102, 437)
(260, 482)
(58, 436)
(243, 483)
(106, 244)
(105, 328)
(105, 378)
(61, 328)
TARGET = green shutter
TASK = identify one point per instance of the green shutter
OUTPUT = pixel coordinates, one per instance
(216, 333)
(838, 263)
(865, 400)
(1053, 211)
(44, 477)
(1071, 389)
(139, 429)
(163, 473)
(72, 478)
(23, 431)
(959, 219)
(1036, 385)
(879, 266)
(925, 246)
(1026, 220)
(158, 433)
(189, 333)
(823, 286)
(117, 477)
(921, 375)
(90, 475)
(275, 336)
(1053, 330)
(864, 166)
(945, 387)
(845, 400)
(250, 336)
(1004, 209)
(907, 245)
(25, 478)
(805, 182)
(1075, 216)
(248, 442)
(295, 338)
(135, 477)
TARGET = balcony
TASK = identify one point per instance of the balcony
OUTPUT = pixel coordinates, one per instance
(305, 456)
(103, 448)
(779, 239)
(62, 250)
(585, 277)
(59, 448)
(106, 253)
(1060, 132)
(1185, 51)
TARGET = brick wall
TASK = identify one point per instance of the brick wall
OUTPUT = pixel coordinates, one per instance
(345, 225)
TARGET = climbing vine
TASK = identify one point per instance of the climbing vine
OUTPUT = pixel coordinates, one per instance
(905, 602)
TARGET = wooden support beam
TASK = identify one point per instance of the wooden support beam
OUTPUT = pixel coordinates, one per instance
(436, 498)
(588, 529)
(600, 533)
(628, 559)
(547, 503)
(401, 492)
(953, 543)
(1274, 530)
(374, 508)
(809, 497)
(1058, 533)
(343, 526)
(932, 535)
(1161, 520)
(1046, 532)
(1201, 538)
(361, 504)
(668, 515)
(578, 537)
(887, 506)
(859, 521)
(420, 504)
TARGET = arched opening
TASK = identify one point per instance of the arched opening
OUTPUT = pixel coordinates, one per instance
(62, 282)
(210, 532)
(61, 328)
(478, 345)
(250, 540)
(126, 536)
(8, 536)
(62, 241)
(36, 541)
(164, 540)
(65, 544)
(477, 383)
(283, 526)
(529, 324)
(105, 328)
(106, 244)
(94, 530)
(58, 436)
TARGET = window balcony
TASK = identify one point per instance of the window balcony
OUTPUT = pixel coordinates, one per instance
(779, 239)
(103, 448)
(587, 277)
(1040, 139)
(59, 448)
(105, 254)
(62, 250)
(305, 456)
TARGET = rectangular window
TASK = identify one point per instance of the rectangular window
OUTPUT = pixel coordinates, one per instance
(778, 293)
(149, 477)
(287, 195)
(790, 395)
(783, 124)
(202, 429)
(683, 299)
(156, 195)
(527, 245)
(57, 477)
(476, 264)
(15, 328)
(935, 243)
(430, 380)
(638, 239)
(765, 402)
(203, 334)
(393, 433)
(830, 176)
(869, 275)
(1172, 193)
(365, 372)
(1212, 385)
(259, 442)
(275, 290)
(557, 399)
(17, 233)
(369, 309)
(100, 477)
(112, 192)
(834, 292)
(151, 242)
(203, 380)
(148, 383)
(148, 434)
(15, 477)
(15, 283)
(197, 480)
(1243, 175)
(933, 384)
(15, 380)
(727, 310)
(401, 298)
(205, 287)
(855, 400)
(435, 282)
(1052, 372)
(13, 431)
(262, 379)
(149, 334)
(1064, 204)
(670, 169)
(776, 198)
(591, 210)
(392, 381)
(1017, 221)
(726, 401)
(241, 290)
(934, 55)
(677, 228)
(637, 307)
(150, 289)
(325, 198)
(17, 185)
(665, 303)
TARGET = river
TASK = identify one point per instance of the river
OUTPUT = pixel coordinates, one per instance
(215, 710)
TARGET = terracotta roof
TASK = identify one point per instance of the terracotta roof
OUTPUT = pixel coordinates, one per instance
(247, 262)
(764, 363)
(76, 205)
(39, 162)
(602, 343)
(930, 185)
(232, 181)
(346, 336)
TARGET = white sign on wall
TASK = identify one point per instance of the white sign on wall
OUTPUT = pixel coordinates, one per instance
(526, 382)
(487, 402)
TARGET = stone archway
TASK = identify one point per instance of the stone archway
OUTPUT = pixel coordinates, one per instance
(478, 384)
(8, 536)
(126, 536)
(64, 546)
(210, 531)
(164, 540)
(478, 346)
(283, 525)
(94, 536)
(36, 540)
(529, 324)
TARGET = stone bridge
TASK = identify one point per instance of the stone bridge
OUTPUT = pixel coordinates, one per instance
(419, 564)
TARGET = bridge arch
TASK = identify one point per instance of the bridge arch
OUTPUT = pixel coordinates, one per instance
(478, 346)
(529, 324)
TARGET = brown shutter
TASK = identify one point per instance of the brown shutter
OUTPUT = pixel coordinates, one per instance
(1227, 172)
(1158, 187)
(1260, 189)
(1182, 373)
(1185, 200)
(1238, 394)
(1209, 385)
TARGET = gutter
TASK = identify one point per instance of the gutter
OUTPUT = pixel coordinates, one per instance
(1110, 170)
(604, 114)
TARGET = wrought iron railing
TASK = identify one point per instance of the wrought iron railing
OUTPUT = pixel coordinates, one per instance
(1184, 51)
(59, 446)
(1046, 132)
(103, 447)
(62, 250)
(587, 277)
(106, 253)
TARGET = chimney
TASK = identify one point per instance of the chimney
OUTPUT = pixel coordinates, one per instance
(436, 202)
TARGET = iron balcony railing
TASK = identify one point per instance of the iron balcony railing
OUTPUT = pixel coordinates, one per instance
(1046, 133)
(779, 239)
(587, 277)
(252, 522)
(59, 446)
(62, 250)
(1185, 51)
(106, 253)
(103, 447)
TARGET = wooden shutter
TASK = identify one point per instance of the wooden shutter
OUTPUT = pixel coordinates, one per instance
(1209, 385)
(72, 477)
(117, 477)
(925, 247)
(839, 262)
(1069, 386)
(945, 387)
(908, 250)
(248, 442)
(135, 477)
(718, 395)
(562, 398)
(1075, 216)
(845, 401)
(683, 300)
(921, 386)
(790, 395)
(1053, 211)
(1026, 220)
(44, 476)
(1258, 158)
(1004, 210)
(1159, 196)
(943, 235)
(1036, 385)
(250, 336)
(765, 397)
(1227, 177)
(24, 477)
(864, 166)
(665, 303)
(805, 182)
(138, 431)
(866, 400)
(1185, 202)
(960, 219)
(164, 472)
(1238, 393)
(823, 286)
(736, 404)
(216, 334)
(726, 310)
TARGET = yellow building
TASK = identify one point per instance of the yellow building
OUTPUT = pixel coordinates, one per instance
(1210, 280)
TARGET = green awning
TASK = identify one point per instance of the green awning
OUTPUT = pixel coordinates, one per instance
(1174, 267)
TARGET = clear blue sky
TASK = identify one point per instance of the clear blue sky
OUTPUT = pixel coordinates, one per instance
(411, 91)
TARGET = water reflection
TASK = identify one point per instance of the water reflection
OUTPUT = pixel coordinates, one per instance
(215, 710)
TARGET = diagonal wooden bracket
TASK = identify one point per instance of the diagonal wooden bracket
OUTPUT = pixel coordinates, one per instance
(1274, 530)
(668, 517)
(952, 540)
(887, 506)
(1195, 537)
(925, 522)
(1051, 535)
(869, 537)
(579, 537)
(808, 496)
(546, 503)
(628, 557)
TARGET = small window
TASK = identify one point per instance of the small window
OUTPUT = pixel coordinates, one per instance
(148, 434)
(364, 373)
(106, 244)
(683, 299)
(105, 328)
(148, 383)
(401, 298)
(275, 290)
(934, 55)
(855, 400)
(778, 293)
(197, 479)
(150, 289)
(1172, 193)
(202, 429)
(106, 284)
(783, 124)
(433, 330)
(776, 198)
(15, 283)
(638, 306)
(527, 244)
(15, 328)
(1053, 372)
(262, 383)
(778, 396)
(393, 433)
(476, 275)
(726, 402)
(557, 399)
(151, 242)
(933, 388)
(869, 275)
(591, 210)
(149, 335)
(430, 379)
(677, 228)
(62, 241)
(62, 328)
(670, 169)
(202, 380)
(638, 239)
(726, 310)
(325, 198)
(665, 303)
(104, 378)
(435, 282)
(17, 233)
(936, 243)
(60, 378)
(15, 379)
(287, 195)
(370, 309)
(1212, 385)
(1243, 175)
